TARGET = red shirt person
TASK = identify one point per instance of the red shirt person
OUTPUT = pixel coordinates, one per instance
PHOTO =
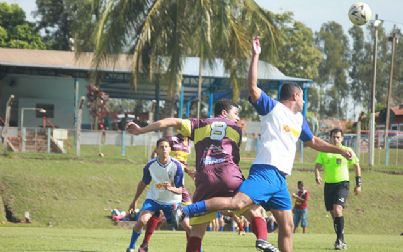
(301, 207)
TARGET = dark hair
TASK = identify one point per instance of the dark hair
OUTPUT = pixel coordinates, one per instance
(336, 130)
(288, 89)
(223, 104)
(163, 139)
(300, 183)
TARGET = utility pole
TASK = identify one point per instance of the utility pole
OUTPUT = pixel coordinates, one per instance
(393, 38)
(376, 24)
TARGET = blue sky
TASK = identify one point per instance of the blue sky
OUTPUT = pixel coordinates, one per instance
(313, 13)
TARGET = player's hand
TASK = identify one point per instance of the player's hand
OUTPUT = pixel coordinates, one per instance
(294, 195)
(191, 173)
(166, 186)
(318, 180)
(133, 128)
(347, 154)
(256, 46)
(132, 207)
(357, 190)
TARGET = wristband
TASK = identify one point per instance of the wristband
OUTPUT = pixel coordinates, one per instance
(358, 180)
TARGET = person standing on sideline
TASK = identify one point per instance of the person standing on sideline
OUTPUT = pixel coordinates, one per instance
(165, 174)
(217, 141)
(301, 207)
(282, 125)
(336, 177)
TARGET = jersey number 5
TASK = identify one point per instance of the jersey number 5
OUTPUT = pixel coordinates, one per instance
(218, 130)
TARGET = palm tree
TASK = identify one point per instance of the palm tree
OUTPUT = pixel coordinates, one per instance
(159, 34)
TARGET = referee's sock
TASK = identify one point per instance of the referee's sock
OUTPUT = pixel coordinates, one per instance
(339, 227)
(195, 209)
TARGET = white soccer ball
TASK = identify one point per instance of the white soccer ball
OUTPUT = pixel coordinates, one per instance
(359, 13)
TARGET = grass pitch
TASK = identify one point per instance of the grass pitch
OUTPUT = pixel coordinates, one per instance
(97, 240)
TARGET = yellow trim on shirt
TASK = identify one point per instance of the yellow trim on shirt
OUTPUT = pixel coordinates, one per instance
(186, 128)
(202, 133)
(233, 135)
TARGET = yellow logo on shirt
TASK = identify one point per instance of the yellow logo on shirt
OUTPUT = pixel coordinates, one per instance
(293, 131)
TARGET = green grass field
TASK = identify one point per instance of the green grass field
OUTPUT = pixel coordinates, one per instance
(70, 200)
(97, 240)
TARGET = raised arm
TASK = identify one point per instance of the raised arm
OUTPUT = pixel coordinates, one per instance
(254, 91)
(320, 145)
(135, 129)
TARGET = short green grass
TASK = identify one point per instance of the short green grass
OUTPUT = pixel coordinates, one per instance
(62, 191)
(97, 240)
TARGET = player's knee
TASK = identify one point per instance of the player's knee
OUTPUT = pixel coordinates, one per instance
(143, 220)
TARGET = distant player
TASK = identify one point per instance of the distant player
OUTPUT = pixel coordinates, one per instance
(336, 177)
(165, 177)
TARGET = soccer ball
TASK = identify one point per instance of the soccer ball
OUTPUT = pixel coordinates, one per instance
(359, 13)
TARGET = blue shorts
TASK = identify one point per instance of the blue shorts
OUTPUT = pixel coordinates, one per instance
(152, 206)
(267, 187)
(301, 215)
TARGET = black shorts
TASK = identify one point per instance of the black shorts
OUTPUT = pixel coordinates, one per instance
(336, 194)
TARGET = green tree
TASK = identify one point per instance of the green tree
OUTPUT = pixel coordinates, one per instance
(176, 29)
(64, 20)
(360, 68)
(397, 90)
(297, 54)
(333, 44)
(15, 31)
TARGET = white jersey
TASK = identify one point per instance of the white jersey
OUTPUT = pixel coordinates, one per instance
(280, 130)
(156, 173)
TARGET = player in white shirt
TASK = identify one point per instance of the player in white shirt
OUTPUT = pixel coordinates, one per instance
(165, 177)
(282, 125)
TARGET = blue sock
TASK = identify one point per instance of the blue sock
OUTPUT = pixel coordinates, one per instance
(195, 209)
(233, 229)
(133, 240)
(221, 229)
(209, 228)
(247, 230)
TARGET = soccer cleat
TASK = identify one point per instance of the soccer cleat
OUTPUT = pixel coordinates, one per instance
(130, 250)
(177, 215)
(265, 246)
(340, 245)
(143, 247)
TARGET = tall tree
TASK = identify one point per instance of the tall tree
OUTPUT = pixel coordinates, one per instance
(333, 44)
(297, 54)
(360, 68)
(155, 29)
(64, 20)
(397, 89)
(15, 31)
